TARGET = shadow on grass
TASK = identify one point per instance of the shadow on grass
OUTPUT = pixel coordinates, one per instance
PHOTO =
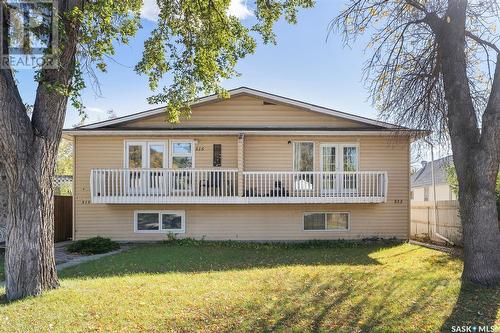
(343, 304)
(409, 291)
(218, 256)
(475, 306)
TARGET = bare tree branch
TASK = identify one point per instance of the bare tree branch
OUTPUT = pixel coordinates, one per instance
(481, 41)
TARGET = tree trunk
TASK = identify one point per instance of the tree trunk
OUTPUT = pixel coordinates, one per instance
(479, 216)
(29, 259)
(475, 154)
(28, 149)
(3, 203)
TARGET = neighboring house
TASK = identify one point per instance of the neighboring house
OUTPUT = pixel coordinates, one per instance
(421, 181)
(256, 166)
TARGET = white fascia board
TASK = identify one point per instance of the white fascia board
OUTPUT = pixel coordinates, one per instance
(230, 132)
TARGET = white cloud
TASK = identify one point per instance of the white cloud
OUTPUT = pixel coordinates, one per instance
(237, 8)
(150, 10)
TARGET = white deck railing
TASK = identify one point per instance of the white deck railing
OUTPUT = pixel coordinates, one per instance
(221, 186)
(163, 185)
(305, 187)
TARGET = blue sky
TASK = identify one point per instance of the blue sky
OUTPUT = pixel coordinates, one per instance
(303, 65)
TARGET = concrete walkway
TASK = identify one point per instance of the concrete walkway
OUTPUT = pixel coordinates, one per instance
(82, 258)
(65, 259)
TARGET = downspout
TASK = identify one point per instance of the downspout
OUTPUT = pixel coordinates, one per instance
(436, 214)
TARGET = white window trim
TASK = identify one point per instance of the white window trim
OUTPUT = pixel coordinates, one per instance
(172, 154)
(293, 154)
(145, 153)
(339, 154)
(181, 213)
(328, 230)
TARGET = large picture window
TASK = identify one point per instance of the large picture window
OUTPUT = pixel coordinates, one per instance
(327, 221)
(159, 221)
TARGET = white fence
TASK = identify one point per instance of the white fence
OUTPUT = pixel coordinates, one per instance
(425, 224)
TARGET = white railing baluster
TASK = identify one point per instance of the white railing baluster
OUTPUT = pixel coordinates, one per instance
(187, 185)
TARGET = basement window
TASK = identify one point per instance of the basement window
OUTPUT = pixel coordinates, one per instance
(159, 221)
(327, 221)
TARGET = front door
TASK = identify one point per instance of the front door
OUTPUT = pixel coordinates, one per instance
(329, 165)
(339, 163)
(156, 162)
(182, 157)
(143, 158)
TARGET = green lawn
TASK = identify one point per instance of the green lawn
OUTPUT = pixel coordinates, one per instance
(225, 288)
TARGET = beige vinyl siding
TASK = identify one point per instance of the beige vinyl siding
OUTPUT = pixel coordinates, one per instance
(248, 222)
(238, 222)
(248, 111)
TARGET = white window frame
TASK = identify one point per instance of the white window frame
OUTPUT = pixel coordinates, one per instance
(145, 152)
(180, 213)
(172, 154)
(328, 230)
(339, 152)
(339, 161)
(293, 155)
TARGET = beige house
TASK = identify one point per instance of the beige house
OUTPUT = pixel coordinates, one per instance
(255, 166)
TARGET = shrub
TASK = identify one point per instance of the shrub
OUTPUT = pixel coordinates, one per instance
(95, 245)
(310, 244)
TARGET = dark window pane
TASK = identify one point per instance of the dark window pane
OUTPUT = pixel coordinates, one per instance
(217, 162)
(337, 221)
(147, 221)
(171, 221)
(135, 156)
(314, 221)
(350, 159)
(303, 156)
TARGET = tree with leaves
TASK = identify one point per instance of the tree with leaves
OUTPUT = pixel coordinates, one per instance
(64, 160)
(435, 65)
(195, 43)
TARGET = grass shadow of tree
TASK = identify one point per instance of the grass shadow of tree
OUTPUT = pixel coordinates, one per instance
(475, 306)
(197, 259)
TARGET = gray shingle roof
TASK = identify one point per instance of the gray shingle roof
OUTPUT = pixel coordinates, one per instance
(423, 176)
